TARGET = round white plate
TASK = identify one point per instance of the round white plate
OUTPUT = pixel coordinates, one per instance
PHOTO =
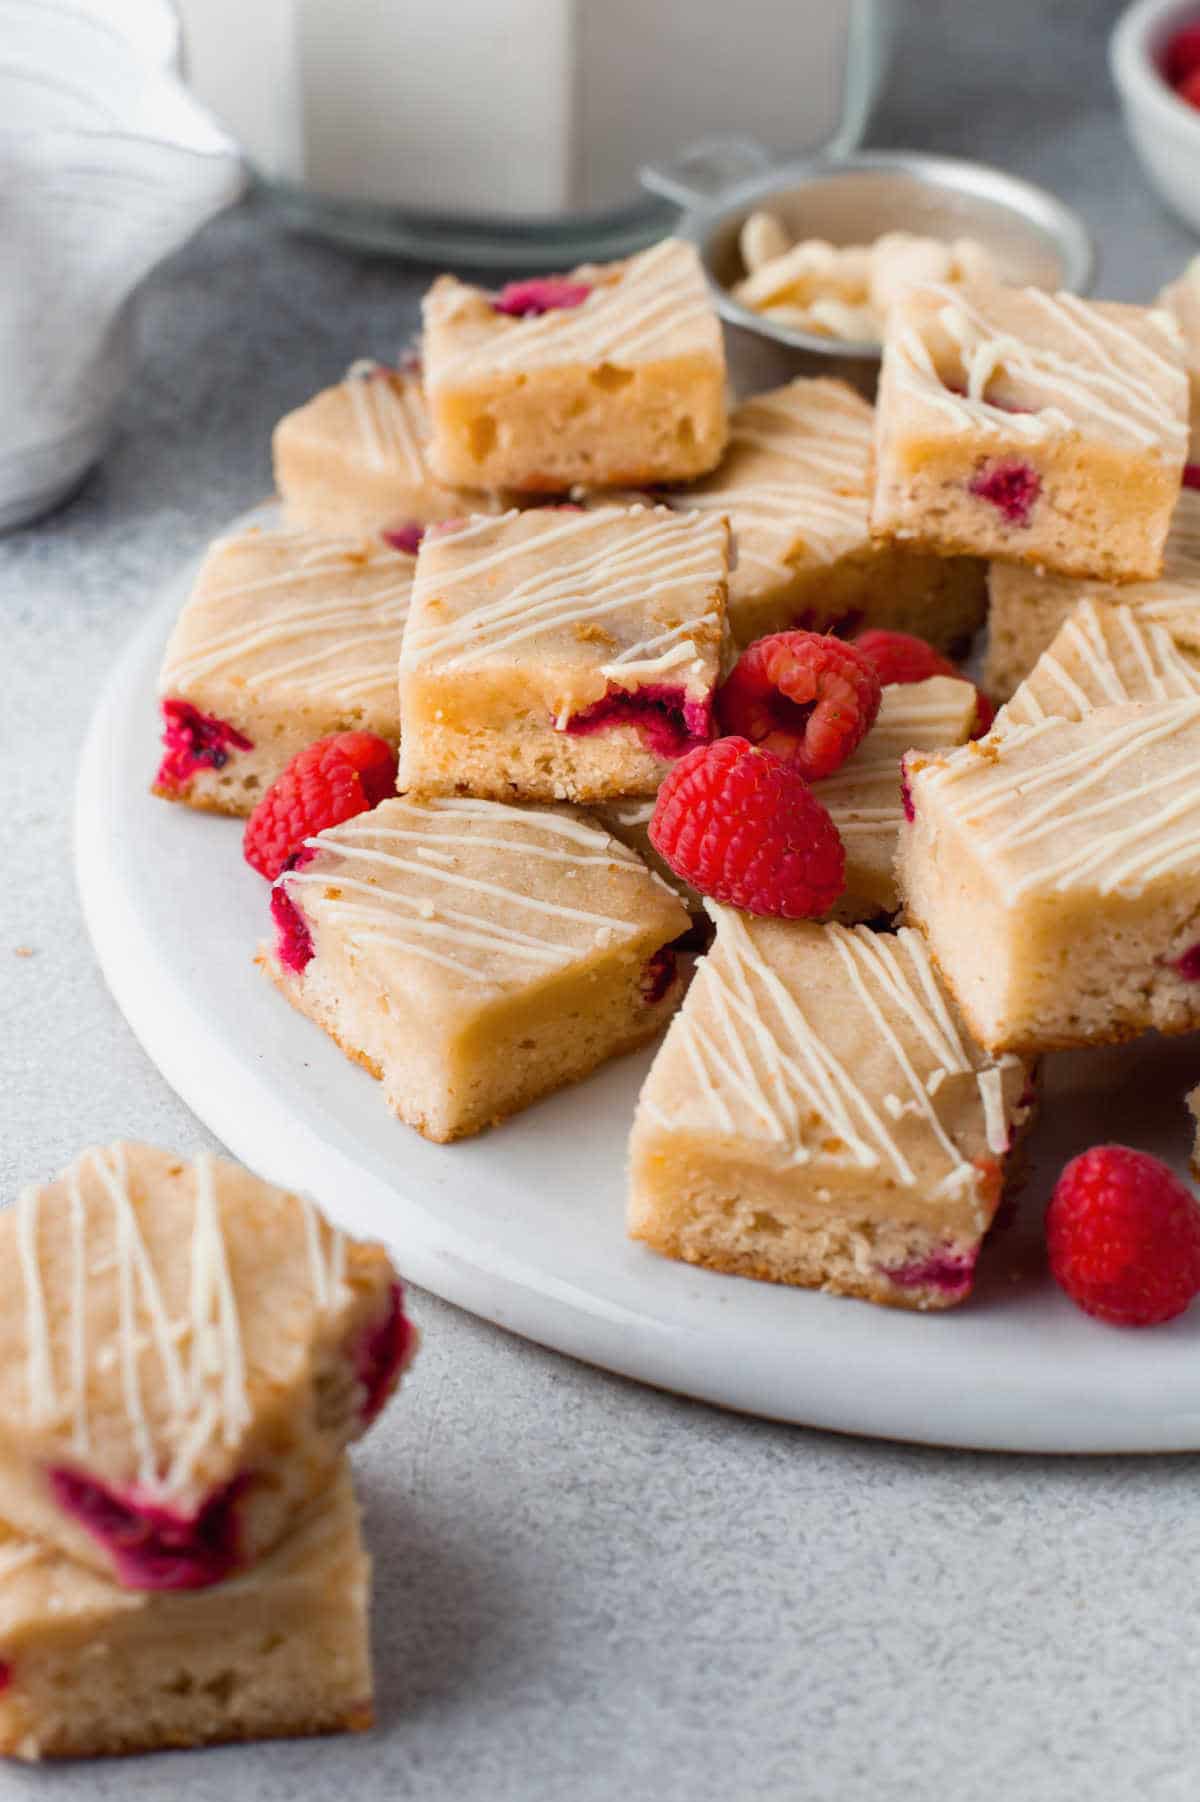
(525, 1224)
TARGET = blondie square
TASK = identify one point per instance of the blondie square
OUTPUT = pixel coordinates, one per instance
(818, 1116)
(1037, 427)
(473, 956)
(794, 483)
(865, 797)
(1055, 870)
(1103, 656)
(612, 376)
(1182, 299)
(1028, 607)
(184, 1353)
(354, 459)
(92, 1669)
(562, 654)
(286, 637)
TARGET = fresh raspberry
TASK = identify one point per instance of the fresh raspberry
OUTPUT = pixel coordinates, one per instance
(540, 294)
(1123, 1235)
(809, 699)
(326, 783)
(901, 657)
(1183, 55)
(741, 825)
(1191, 475)
(1189, 88)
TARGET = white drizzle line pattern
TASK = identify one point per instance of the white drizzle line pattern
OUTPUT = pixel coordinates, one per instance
(1117, 659)
(587, 576)
(864, 796)
(802, 480)
(390, 418)
(656, 304)
(1099, 376)
(206, 1392)
(764, 1054)
(328, 615)
(1062, 820)
(424, 908)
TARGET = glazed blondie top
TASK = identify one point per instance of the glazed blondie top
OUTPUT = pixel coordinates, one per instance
(635, 595)
(793, 480)
(650, 308)
(469, 895)
(1109, 803)
(1031, 365)
(281, 611)
(388, 418)
(1103, 656)
(832, 1047)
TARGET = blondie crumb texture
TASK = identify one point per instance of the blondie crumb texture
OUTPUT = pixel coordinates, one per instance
(562, 654)
(794, 484)
(1023, 425)
(474, 956)
(91, 1669)
(354, 459)
(1028, 607)
(287, 637)
(623, 386)
(1055, 870)
(817, 1116)
(185, 1351)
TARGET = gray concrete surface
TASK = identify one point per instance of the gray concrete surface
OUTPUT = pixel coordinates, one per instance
(587, 1591)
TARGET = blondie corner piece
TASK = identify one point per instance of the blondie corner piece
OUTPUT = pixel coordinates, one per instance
(562, 654)
(354, 459)
(475, 956)
(1027, 607)
(1055, 871)
(817, 1116)
(287, 637)
(1102, 656)
(184, 1353)
(612, 376)
(794, 483)
(1031, 426)
(91, 1670)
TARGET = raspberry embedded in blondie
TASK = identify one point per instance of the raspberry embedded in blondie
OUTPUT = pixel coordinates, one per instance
(562, 655)
(614, 377)
(1103, 656)
(1028, 607)
(817, 1116)
(354, 459)
(287, 637)
(91, 1669)
(475, 956)
(184, 1352)
(794, 484)
(1055, 870)
(1041, 428)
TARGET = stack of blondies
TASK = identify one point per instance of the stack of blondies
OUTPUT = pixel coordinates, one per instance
(529, 556)
(186, 1353)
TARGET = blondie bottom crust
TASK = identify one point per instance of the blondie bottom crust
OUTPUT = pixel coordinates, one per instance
(1028, 607)
(1055, 870)
(562, 653)
(91, 1669)
(286, 637)
(794, 484)
(354, 460)
(1040, 428)
(184, 1353)
(613, 376)
(1103, 656)
(1182, 299)
(817, 1116)
(473, 956)
(865, 798)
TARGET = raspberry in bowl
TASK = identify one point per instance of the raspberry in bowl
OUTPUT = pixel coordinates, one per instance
(1150, 59)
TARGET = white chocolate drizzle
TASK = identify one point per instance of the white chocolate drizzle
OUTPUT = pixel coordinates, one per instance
(390, 417)
(476, 600)
(761, 1065)
(1102, 657)
(653, 305)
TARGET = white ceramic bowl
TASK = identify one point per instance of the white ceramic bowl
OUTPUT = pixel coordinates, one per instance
(1165, 130)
